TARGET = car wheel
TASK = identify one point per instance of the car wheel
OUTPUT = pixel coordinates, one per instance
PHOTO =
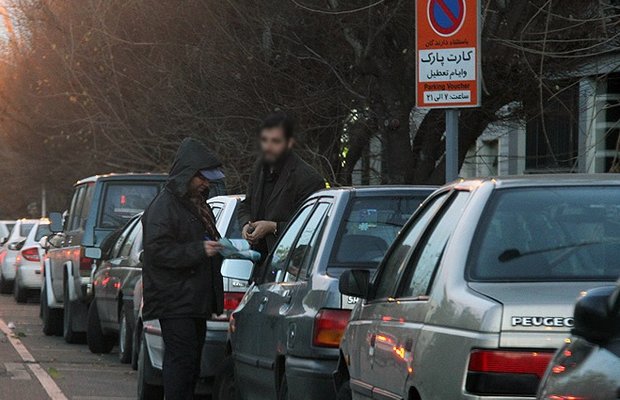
(224, 387)
(98, 342)
(51, 317)
(344, 393)
(147, 390)
(20, 294)
(69, 334)
(283, 392)
(125, 339)
(5, 286)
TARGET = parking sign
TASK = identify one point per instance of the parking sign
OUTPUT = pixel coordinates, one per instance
(448, 53)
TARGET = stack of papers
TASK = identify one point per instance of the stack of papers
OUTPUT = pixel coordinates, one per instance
(239, 249)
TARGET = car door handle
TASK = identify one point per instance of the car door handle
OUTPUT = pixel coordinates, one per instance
(262, 304)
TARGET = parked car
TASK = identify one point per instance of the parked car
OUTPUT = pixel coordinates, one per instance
(9, 252)
(148, 338)
(110, 314)
(6, 226)
(477, 292)
(588, 365)
(28, 264)
(100, 205)
(284, 336)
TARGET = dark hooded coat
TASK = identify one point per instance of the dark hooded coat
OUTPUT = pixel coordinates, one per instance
(179, 279)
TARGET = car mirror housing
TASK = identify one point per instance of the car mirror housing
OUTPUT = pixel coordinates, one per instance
(56, 223)
(355, 282)
(594, 319)
(237, 269)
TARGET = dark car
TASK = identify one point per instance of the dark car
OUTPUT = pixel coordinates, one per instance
(588, 365)
(110, 315)
(284, 336)
(100, 205)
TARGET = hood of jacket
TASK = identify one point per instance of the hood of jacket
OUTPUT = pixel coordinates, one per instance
(191, 157)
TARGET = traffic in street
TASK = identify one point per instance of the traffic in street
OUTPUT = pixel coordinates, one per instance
(310, 200)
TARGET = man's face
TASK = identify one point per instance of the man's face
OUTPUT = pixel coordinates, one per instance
(198, 185)
(274, 144)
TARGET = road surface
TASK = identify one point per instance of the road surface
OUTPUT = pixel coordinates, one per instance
(36, 367)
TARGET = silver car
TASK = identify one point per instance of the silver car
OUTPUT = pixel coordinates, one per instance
(28, 263)
(477, 292)
(10, 250)
(587, 367)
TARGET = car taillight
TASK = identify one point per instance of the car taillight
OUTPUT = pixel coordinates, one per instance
(86, 265)
(31, 254)
(505, 372)
(232, 300)
(329, 326)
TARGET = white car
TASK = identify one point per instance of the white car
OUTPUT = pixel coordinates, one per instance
(28, 263)
(10, 250)
(6, 226)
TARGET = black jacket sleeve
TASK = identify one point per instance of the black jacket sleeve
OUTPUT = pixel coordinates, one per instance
(160, 241)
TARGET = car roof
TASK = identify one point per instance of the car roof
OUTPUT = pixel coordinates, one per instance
(125, 176)
(541, 180)
(383, 189)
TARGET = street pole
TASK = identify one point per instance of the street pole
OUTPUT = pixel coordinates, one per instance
(43, 202)
(452, 144)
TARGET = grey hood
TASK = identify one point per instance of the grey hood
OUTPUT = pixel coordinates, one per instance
(191, 157)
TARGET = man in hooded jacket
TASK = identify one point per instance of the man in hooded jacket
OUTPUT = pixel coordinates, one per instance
(181, 272)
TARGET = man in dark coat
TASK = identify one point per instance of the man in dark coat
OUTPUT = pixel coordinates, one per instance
(181, 274)
(279, 183)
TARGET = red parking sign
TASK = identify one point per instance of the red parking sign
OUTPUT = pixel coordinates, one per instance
(448, 53)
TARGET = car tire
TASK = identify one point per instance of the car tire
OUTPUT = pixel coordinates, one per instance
(224, 386)
(5, 286)
(98, 342)
(20, 294)
(51, 317)
(125, 338)
(344, 393)
(283, 392)
(147, 390)
(68, 333)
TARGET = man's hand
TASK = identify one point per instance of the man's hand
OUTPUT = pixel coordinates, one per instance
(247, 231)
(212, 247)
(261, 229)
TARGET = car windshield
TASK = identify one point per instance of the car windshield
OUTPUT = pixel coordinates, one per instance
(549, 234)
(123, 200)
(42, 230)
(24, 229)
(368, 228)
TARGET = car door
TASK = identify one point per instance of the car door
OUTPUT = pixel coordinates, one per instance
(107, 277)
(285, 318)
(253, 368)
(362, 331)
(404, 313)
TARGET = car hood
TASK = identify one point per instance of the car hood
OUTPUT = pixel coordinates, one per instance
(535, 314)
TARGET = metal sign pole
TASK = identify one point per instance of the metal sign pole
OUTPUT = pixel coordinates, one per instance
(452, 144)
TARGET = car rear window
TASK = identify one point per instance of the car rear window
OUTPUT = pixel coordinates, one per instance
(369, 226)
(549, 234)
(42, 230)
(24, 229)
(122, 201)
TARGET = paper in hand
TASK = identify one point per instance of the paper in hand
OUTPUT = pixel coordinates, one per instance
(239, 249)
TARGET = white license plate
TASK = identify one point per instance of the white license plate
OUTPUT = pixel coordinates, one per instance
(348, 302)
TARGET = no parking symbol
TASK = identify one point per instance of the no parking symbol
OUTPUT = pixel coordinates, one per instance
(446, 17)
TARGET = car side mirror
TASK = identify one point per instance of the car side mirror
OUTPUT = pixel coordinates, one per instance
(93, 253)
(56, 223)
(594, 320)
(3, 240)
(13, 246)
(355, 282)
(237, 269)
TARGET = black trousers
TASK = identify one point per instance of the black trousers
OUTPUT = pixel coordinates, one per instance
(183, 341)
